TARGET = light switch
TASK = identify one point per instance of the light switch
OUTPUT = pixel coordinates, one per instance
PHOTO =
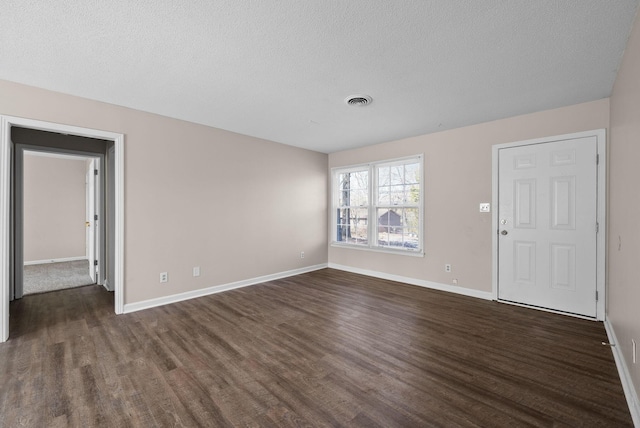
(485, 207)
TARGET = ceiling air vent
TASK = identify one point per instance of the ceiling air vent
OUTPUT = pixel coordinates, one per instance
(358, 100)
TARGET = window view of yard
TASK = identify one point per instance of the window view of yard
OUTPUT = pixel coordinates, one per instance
(395, 206)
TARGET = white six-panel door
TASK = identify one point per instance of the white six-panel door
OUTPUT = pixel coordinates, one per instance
(547, 214)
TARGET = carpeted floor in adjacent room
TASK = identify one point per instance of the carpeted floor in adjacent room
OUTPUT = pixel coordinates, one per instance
(42, 278)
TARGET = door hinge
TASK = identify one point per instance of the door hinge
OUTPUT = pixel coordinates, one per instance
(598, 159)
(95, 217)
(95, 263)
(95, 172)
(596, 296)
(597, 227)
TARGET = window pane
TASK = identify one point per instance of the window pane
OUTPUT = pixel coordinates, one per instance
(399, 184)
(353, 189)
(389, 224)
(412, 173)
(359, 180)
(395, 237)
(412, 218)
(344, 180)
(352, 225)
(413, 194)
(383, 176)
(359, 225)
(342, 216)
(412, 227)
(398, 228)
(343, 199)
(383, 196)
(359, 198)
(396, 195)
(353, 180)
(383, 217)
(396, 174)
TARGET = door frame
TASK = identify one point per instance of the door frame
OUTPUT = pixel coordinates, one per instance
(6, 172)
(21, 151)
(92, 197)
(601, 213)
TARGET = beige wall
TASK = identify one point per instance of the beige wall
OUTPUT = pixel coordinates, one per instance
(457, 179)
(624, 204)
(54, 208)
(236, 206)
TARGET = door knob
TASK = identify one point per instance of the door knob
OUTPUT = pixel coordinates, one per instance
(504, 232)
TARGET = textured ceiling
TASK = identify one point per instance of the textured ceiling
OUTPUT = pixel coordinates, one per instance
(280, 70)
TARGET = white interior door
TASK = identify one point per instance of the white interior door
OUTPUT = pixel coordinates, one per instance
(547, 214)
(91, 226)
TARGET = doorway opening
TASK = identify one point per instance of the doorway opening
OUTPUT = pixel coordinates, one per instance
(59, 181)
(105, 149)
(62, 196)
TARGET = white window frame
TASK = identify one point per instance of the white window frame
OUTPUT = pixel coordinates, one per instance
(372, 223)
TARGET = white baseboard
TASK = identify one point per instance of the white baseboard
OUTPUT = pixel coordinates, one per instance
(65, 259)
(106, 285)
(625, 376)
(160, 301)
(486, 295)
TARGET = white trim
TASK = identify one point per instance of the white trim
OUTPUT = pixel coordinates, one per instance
(5, 175)
(601, 238)
(5, 227)
(551, 311)
(625, 376)
(165, 300)
(60, 260)
(366, 165)
(118, 281)
(92, 207)
(485, 295)
(377, 249)
(65, 156)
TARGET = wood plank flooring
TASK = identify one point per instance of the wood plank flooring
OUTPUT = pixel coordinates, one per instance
(327, 348)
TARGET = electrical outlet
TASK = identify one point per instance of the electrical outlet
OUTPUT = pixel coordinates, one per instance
(634, 351)
(196, 271)
(447, 268)
(302, 254)
(485, 207)
(455, 281)
(164, 277)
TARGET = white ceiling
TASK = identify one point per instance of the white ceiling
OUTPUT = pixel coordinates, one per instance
(280, 70)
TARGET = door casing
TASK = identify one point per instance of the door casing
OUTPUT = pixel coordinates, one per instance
(6, 205)
(600, 135)
(91, 243)
(20, 150)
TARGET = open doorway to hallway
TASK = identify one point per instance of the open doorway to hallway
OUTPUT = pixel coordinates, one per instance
(65, 165)
(61, 196)
(11, 148)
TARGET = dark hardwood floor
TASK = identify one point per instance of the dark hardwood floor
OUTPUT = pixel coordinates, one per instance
(327, 348)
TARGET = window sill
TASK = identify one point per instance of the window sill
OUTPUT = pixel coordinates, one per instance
(379, 250)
